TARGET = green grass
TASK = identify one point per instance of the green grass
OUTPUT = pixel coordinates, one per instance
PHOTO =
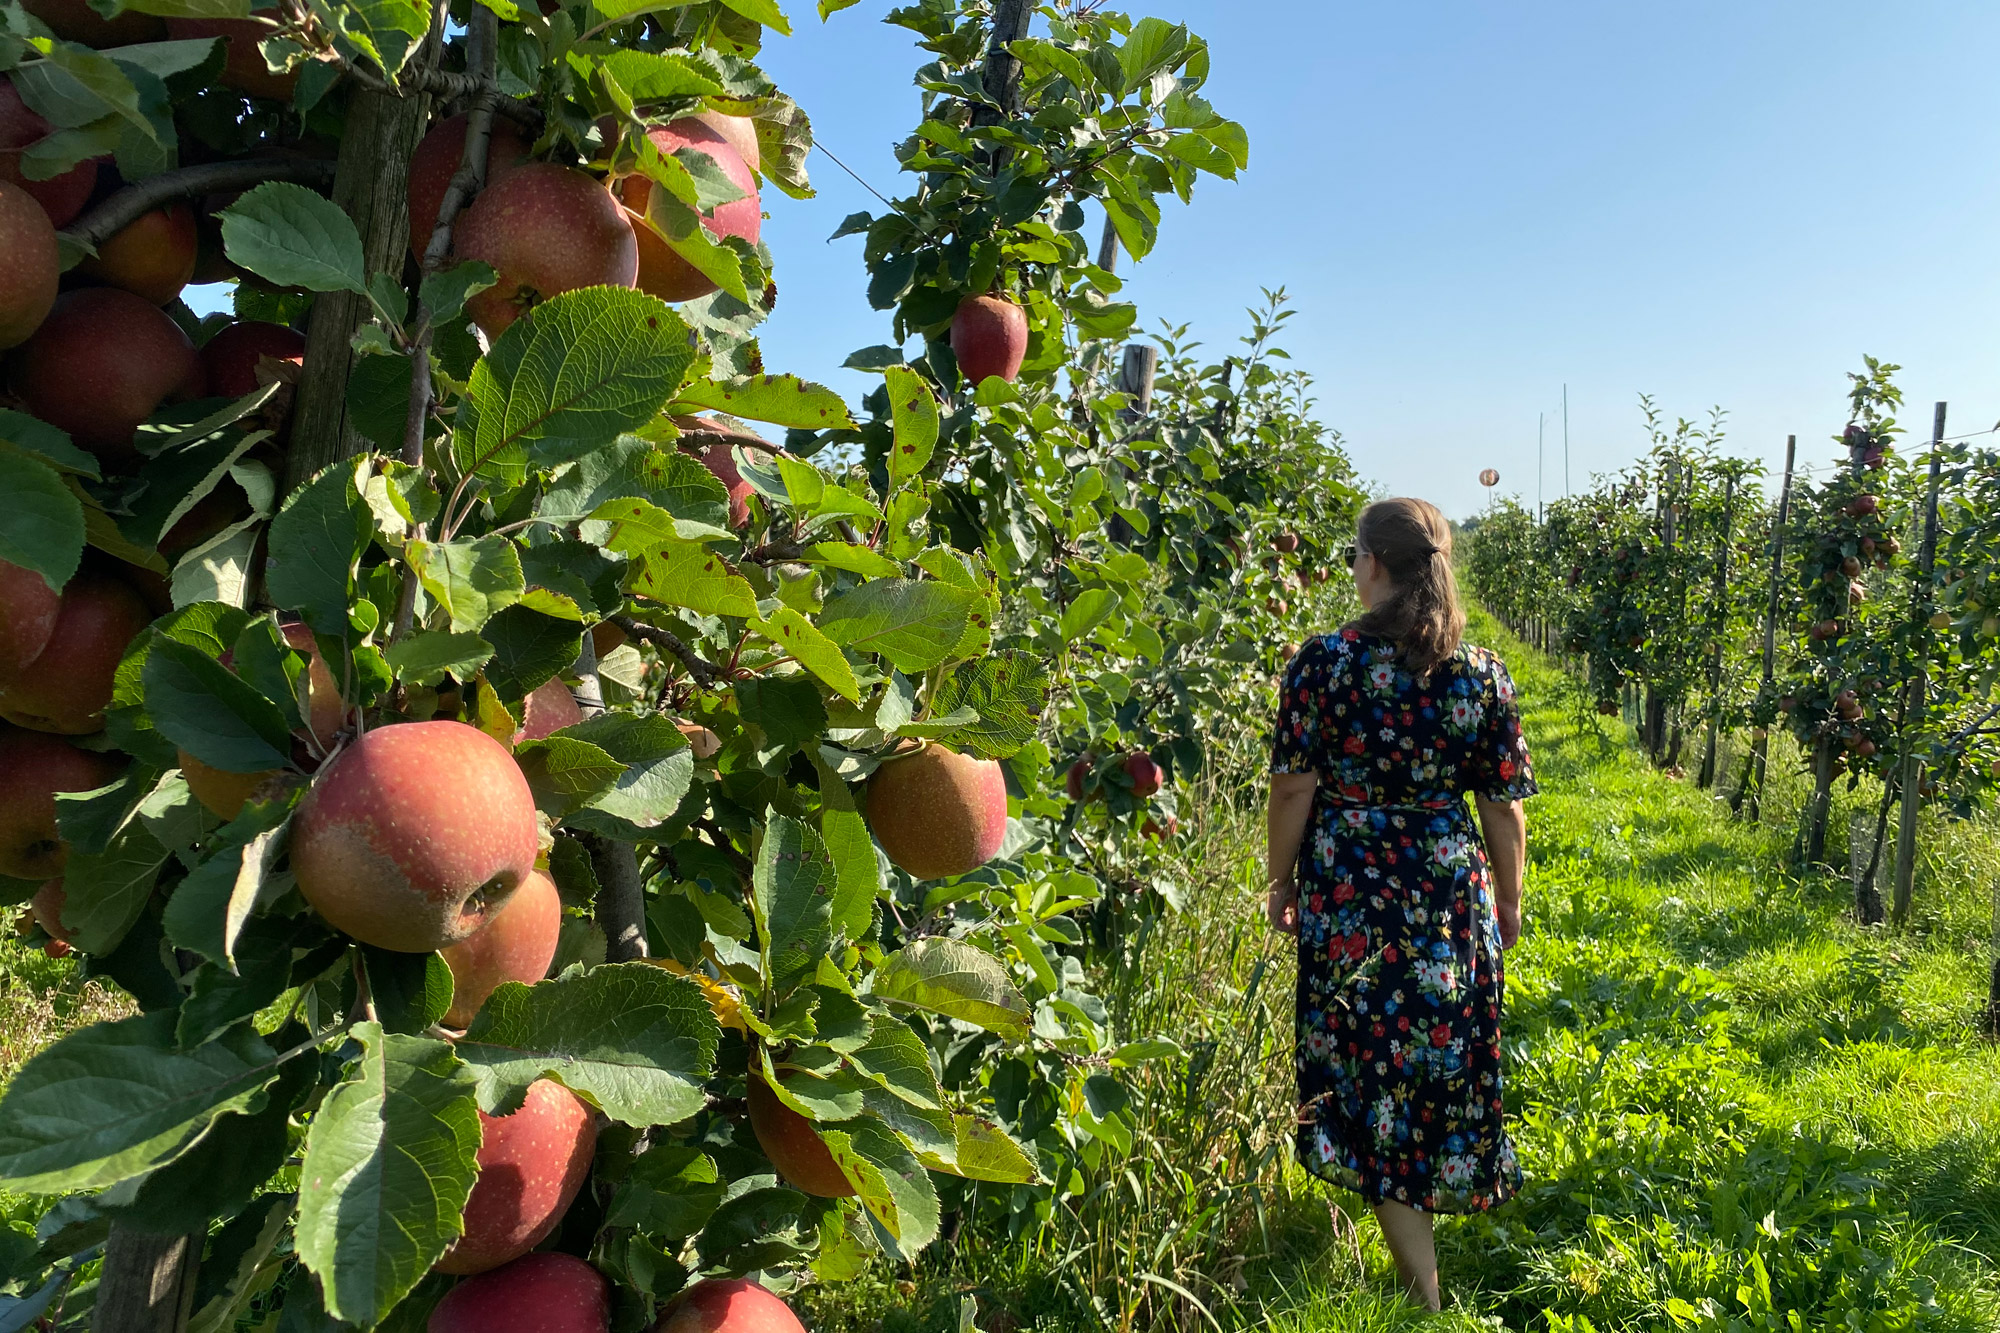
(1736, 1109)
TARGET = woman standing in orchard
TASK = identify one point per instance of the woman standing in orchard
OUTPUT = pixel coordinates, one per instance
(1401, 907)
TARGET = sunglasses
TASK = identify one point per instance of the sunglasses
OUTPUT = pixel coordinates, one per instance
(1350, 553)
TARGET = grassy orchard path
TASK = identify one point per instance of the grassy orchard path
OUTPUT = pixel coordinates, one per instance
(1731, 1103)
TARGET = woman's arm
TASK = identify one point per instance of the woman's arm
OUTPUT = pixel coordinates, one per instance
(1505, 825)
(1285, 830)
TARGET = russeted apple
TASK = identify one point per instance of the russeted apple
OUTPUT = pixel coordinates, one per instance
(545, 229)
(937, 812)
(33, 768)
(76, 21)
(230, 359)
(793, 1145)
(28, 266)
(537, 1293)
(516, 945)
(67, 686)
(151, 256)
(436, 160)
(662, 272)
(28, 610)
(989, 336)
(101, 363)
(415, 835)
(61, 196)
(531, 1164)
(738, 1305)
(243, 64)
(224, 792)
(548, 708)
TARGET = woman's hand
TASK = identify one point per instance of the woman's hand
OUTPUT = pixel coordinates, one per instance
(1281, 907)
(1510, 924)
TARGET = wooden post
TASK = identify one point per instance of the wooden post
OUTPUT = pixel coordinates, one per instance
(1992, 1023)
(1913, 764)
(1001, 78)
(370, 185)
(1135, 378)
(148, 1282)
(1107, 247)
(1760, 748)
(1718, 624)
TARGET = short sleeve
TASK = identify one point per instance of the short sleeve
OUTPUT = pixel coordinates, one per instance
(1502, 768)
(1296, 743)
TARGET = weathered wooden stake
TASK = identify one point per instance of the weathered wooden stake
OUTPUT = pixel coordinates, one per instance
(1718, 623)
(1760, 747)
(1913, 764)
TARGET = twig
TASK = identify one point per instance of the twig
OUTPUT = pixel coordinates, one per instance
(128, 205)
(706, 673)
(774, 553)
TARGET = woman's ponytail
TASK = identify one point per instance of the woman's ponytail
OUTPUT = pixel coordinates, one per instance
(1422, 616)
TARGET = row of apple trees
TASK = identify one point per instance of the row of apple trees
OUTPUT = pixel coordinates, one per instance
(1886, 640)
(1036, 570)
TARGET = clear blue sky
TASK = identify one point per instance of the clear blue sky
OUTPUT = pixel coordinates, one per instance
(1716, 202)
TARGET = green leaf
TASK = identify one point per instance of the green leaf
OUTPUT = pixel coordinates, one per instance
(791, 896)
(765, 12)
(1153, 45)
(956, 979)
(237, 1252)
(914, 411)
(427, 657)
(471, 580)
(291, 237)
(658, 765)
(789, 709)
(106, 891)
(389, 30)
(581, 369)
(564, 772)
(208, 910)
(862, 560)
(913, 625)
(314, 543)
(529, 649)
(115, 1100)
(782, 400)
(651, 76)
(633, 1038)
(1009, 690)
(203, 707)
(632, 468)
(33, 436)
(893, 1185)
(798, 636)
(411, 991)
(95, 76)
(390, 1159)
(987, 1152)
(41, 525)
(897, 1058)
(444, 292)
(1092, 607)
(687, 574)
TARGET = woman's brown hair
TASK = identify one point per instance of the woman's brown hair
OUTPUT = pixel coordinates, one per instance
(1421, 615)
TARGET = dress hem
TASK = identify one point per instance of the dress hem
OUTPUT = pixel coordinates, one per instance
(1453, 1202)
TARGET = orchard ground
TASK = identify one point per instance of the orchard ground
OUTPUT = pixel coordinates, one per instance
(1731, 1102)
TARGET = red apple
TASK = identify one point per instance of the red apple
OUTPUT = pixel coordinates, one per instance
(516, 945)
(661, 271)
(243, 66)
(230, 359)
(33, 768)
(28, 266)
(989, 336)
(741, 134)
(76, 21)
(793, 1145)
(415, 835)
(937, 812)
(548, 708)
(62, 196)
(48, 904)
(537, 1293)
(1152, 829)
(436, 161)
(1285, 542)
(102, 362)
(28, 610)
(712, 440)
(545, 229)
(531, 1164)
(1078, 775)
(704, 743)
(68, 685)
(736, 1306)
(151, 256)
(1145, 774)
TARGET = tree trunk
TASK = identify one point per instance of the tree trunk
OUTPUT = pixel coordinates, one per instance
(370, 185)
(1813, 831)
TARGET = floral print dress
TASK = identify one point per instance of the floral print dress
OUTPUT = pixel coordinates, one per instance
(1400, 976)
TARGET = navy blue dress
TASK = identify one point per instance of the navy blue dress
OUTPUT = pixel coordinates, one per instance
(1400, 975)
